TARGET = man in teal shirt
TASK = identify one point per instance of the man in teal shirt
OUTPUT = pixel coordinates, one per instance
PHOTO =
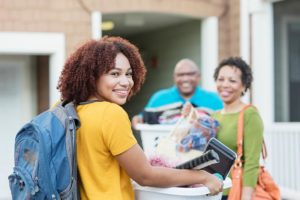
(200, 98)
(186, 77)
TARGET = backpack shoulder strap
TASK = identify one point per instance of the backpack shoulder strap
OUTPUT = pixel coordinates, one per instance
(66, 113)
(63, 109)
(71, 110)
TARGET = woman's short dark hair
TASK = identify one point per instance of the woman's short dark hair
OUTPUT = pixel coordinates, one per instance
(239, 63)
(82, 69)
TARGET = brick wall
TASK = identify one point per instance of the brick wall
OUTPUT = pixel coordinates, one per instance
(72, 18)
(228, 12)
(229, 30)
(66, 16)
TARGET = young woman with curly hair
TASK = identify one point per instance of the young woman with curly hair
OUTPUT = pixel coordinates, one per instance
(233, 78)
(100, 77)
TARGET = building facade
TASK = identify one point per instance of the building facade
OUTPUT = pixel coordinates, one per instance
(37, 36)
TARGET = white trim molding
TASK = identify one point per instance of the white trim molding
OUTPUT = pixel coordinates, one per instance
(262, 59)
(245, 31)
(272, 1)
(29, 43)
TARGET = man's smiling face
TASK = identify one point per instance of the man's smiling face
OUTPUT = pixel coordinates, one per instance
(186, 77)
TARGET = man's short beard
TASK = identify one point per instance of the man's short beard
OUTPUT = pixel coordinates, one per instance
(187, 94)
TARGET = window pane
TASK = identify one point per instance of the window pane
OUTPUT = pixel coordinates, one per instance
(287, 60)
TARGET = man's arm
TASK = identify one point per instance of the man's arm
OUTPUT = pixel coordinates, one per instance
(137, 119)
(154, 99)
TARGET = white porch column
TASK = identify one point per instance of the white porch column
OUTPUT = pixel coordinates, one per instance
(262, 58)
(209, 51)
(96, 25)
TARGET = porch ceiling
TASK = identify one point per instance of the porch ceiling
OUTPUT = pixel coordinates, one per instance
(193, 8)
(134, 16)
(134, 23)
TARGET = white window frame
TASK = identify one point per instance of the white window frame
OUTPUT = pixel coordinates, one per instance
(286, 20)
(29, 43)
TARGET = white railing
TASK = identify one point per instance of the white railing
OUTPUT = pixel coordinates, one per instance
(283, 144)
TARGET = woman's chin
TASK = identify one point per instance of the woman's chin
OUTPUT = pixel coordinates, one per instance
(227, 100)
(119, 101)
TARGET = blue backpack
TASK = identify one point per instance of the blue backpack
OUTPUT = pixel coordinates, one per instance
(45, 156)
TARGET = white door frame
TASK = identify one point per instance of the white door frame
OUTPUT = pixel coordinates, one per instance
(29, 43)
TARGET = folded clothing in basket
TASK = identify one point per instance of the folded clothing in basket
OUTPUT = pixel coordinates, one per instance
(208, 158)
(162, 161)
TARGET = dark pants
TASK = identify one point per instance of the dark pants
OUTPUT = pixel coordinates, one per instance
(224, 197)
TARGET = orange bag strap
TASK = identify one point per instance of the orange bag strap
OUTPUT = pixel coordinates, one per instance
(240, 133)
(264, 150)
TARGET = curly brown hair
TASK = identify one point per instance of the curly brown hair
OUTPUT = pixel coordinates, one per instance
(81, 71)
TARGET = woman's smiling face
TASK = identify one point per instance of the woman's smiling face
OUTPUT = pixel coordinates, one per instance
(115, 85)
(229, 84)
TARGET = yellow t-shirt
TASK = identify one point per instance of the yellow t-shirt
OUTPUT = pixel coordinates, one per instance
(104, 133)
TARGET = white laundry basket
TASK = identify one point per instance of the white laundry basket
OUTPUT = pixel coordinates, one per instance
(176, 193)
(151, 134)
